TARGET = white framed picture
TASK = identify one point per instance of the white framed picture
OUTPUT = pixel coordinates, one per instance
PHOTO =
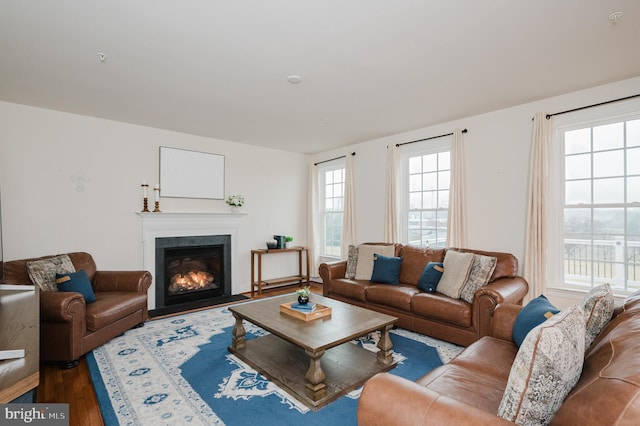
(191, 174)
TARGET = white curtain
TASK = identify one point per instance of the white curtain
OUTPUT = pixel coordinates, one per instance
(348, 216)
(456, 229)
(391, 234)
(536, 249)
(313, 225)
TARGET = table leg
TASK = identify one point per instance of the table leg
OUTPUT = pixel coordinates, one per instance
(316, 389)
(253, 279)
(238, 341)
(385, 355)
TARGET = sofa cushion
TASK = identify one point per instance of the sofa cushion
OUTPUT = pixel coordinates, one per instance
(481, 270)
(442, 308)
(431, 277)
(351, 289)
(352, 262)
(546, 368)
(77, 282)
(386, 269)
(42, 272)
(364, 267)
(414, 260)
(456, 270)
(533, 314)
(110, 307)
(397, 296)
(598, 307)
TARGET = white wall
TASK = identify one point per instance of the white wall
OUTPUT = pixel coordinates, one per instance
(72, 183)
(496, 167)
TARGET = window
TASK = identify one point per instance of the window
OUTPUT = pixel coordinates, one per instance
(426, 205)
(601, 202)
(332, 187)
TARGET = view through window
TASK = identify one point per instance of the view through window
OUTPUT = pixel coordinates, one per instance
(601, 215)
(333, 209)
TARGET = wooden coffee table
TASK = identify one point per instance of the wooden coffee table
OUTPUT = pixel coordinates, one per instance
(313, 360)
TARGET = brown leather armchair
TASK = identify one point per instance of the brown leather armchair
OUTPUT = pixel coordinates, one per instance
(69, 328)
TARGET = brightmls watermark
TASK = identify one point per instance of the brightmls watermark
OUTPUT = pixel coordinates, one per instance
(34, 414)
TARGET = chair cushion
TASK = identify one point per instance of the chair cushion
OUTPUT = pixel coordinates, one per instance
(546, 368)
(111, 306)
(78, 282)
(533, 314)
(598, 307)
(42, 272)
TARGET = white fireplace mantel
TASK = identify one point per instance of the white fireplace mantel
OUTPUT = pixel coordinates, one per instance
(160, 225)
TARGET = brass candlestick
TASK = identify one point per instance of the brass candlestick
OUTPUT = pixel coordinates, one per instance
(145, 200)
(157, 209)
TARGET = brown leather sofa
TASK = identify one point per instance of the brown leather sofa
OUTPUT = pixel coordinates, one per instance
(69, 328)
(468, 390)
(433, 314)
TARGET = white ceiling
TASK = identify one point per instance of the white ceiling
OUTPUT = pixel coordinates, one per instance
(369, 68)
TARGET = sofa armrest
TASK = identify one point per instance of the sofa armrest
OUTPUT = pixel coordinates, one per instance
(504, 316)
(503, 290)
(331, 271)
(138, 281)
(61, 306)
(391, 400)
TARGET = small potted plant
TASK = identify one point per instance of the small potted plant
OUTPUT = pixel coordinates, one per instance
(287, 241)
(303, 295)
(235, 201)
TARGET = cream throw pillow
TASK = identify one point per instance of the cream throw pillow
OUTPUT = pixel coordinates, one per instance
(456, 270)
(364, 268)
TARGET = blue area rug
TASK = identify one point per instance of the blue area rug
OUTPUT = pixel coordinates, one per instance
(178, 371)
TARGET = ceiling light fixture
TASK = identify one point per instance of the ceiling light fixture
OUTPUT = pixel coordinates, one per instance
(102, 56)
(294, 79)
(615, 16)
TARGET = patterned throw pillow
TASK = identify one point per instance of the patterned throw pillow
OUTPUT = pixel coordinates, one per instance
(43, 272)
(547, 366)
(481, 271)
(364, 268)
(352, 261)
(456, 270)
(598, 307)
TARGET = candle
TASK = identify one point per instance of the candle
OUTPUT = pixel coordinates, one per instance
(144, 185)
(156, 189)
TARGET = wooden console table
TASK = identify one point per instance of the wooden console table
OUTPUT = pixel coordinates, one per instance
(261, 284)
(20, 319)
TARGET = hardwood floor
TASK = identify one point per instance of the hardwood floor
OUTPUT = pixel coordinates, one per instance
(75, 388)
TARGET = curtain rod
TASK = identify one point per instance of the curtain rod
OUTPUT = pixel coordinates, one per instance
(331, 159)
(426, 139)
(591, 106)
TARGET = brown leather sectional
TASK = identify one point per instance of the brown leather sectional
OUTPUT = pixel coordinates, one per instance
(69, 328)
(468, 390)
(433, 314)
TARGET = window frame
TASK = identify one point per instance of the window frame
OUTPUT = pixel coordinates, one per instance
(440, 145)
(589, 118)
(339, 164)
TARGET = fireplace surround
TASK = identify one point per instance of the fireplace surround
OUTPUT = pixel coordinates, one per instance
(190, 231)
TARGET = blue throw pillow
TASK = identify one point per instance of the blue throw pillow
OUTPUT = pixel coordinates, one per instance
(78, 282)
(386, 269)
(431, 277)
(532, 315)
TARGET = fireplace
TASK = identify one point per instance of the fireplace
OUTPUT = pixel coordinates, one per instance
(191, 272)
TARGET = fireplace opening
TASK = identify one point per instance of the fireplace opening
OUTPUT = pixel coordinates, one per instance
(192, 272)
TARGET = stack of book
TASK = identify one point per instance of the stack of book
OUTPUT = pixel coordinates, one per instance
(307, 307)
